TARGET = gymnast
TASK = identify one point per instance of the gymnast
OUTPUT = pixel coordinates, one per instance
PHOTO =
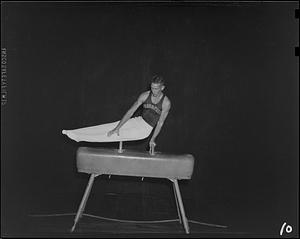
(156, 106)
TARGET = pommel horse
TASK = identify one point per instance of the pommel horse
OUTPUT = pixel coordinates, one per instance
(98, 161)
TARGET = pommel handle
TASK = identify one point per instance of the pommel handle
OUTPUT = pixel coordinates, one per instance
(152, 149)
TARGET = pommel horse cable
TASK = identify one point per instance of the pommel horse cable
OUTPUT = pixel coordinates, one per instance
(98, 161)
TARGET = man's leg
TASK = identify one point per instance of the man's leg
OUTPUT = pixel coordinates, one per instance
(97, 129)
(133, 129)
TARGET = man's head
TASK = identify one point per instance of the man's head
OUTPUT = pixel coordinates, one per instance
(157, 85)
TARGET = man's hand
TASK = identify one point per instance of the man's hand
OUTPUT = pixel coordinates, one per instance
(115, 130)
(152, 145)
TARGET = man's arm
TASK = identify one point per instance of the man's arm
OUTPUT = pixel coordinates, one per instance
(166, 106)
(129, 113)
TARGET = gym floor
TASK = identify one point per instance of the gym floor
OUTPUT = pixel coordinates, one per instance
(123, 214)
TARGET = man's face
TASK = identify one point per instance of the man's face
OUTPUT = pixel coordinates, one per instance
(156, 89)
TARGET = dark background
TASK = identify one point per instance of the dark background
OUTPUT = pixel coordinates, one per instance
(232, 77)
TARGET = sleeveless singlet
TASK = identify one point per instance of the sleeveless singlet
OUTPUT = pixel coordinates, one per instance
(151, 112)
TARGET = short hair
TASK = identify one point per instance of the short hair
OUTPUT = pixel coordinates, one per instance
(158, 80)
